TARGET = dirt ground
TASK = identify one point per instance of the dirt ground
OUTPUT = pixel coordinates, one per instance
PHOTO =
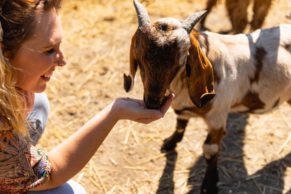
(256, 153)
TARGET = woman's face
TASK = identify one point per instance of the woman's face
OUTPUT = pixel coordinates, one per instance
(38, 56)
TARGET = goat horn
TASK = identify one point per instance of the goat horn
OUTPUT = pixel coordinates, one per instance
(142, 14)
(193, 19)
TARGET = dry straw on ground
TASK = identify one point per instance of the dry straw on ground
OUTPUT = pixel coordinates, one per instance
(256, 152)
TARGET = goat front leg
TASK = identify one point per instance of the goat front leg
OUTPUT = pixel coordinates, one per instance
(171, 142)
(211, 150)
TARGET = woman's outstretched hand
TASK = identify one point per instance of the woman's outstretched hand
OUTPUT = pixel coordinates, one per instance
(135, 110)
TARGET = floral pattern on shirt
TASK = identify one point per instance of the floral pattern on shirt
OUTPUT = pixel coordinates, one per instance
(22, 166)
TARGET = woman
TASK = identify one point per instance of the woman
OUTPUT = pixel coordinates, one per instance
(30, 37)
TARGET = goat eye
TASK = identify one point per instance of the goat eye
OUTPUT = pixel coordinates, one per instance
(188, 70)
(164, 27)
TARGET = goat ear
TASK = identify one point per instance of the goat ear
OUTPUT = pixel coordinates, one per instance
(128, 80)
(199, 73)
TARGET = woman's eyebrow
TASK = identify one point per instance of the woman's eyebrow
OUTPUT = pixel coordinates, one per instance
(51, 44)
(45, 46)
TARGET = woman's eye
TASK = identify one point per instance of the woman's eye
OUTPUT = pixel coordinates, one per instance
(50, 51)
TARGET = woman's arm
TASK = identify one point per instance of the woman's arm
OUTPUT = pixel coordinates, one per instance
(72, 155)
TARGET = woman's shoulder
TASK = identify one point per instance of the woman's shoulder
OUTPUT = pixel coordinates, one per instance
(13, 166)
(12, 147)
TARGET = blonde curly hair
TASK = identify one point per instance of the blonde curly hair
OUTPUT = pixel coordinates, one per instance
(11, 106)
(17, 22)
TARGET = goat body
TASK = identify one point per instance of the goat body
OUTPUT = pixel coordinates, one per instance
(211, 75)
(252, 73)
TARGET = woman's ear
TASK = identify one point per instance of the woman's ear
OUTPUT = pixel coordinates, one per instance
(128, 80)
(199, 73)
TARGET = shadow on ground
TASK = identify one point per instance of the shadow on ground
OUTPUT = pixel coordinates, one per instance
(232, 172)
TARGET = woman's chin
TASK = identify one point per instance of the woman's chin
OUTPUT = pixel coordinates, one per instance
(39, 88)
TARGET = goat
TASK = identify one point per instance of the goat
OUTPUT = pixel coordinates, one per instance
(211, 75)
(238, 13)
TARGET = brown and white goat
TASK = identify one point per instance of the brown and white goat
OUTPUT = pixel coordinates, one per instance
(211, 75)
(237, 11)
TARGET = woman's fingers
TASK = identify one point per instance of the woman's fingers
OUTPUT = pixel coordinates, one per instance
(153, 114)
(136, 110)
(168, 102)
(145, 121)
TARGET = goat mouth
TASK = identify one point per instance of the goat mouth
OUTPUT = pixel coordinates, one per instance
(158, 104)
(149, 106)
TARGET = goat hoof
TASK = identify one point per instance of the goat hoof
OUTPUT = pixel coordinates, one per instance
(168, 146)
(209, 184)
(209, 191)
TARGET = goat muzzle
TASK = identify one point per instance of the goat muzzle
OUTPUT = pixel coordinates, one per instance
(153, 102)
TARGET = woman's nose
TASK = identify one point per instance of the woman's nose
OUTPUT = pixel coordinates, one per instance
(61, 61)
